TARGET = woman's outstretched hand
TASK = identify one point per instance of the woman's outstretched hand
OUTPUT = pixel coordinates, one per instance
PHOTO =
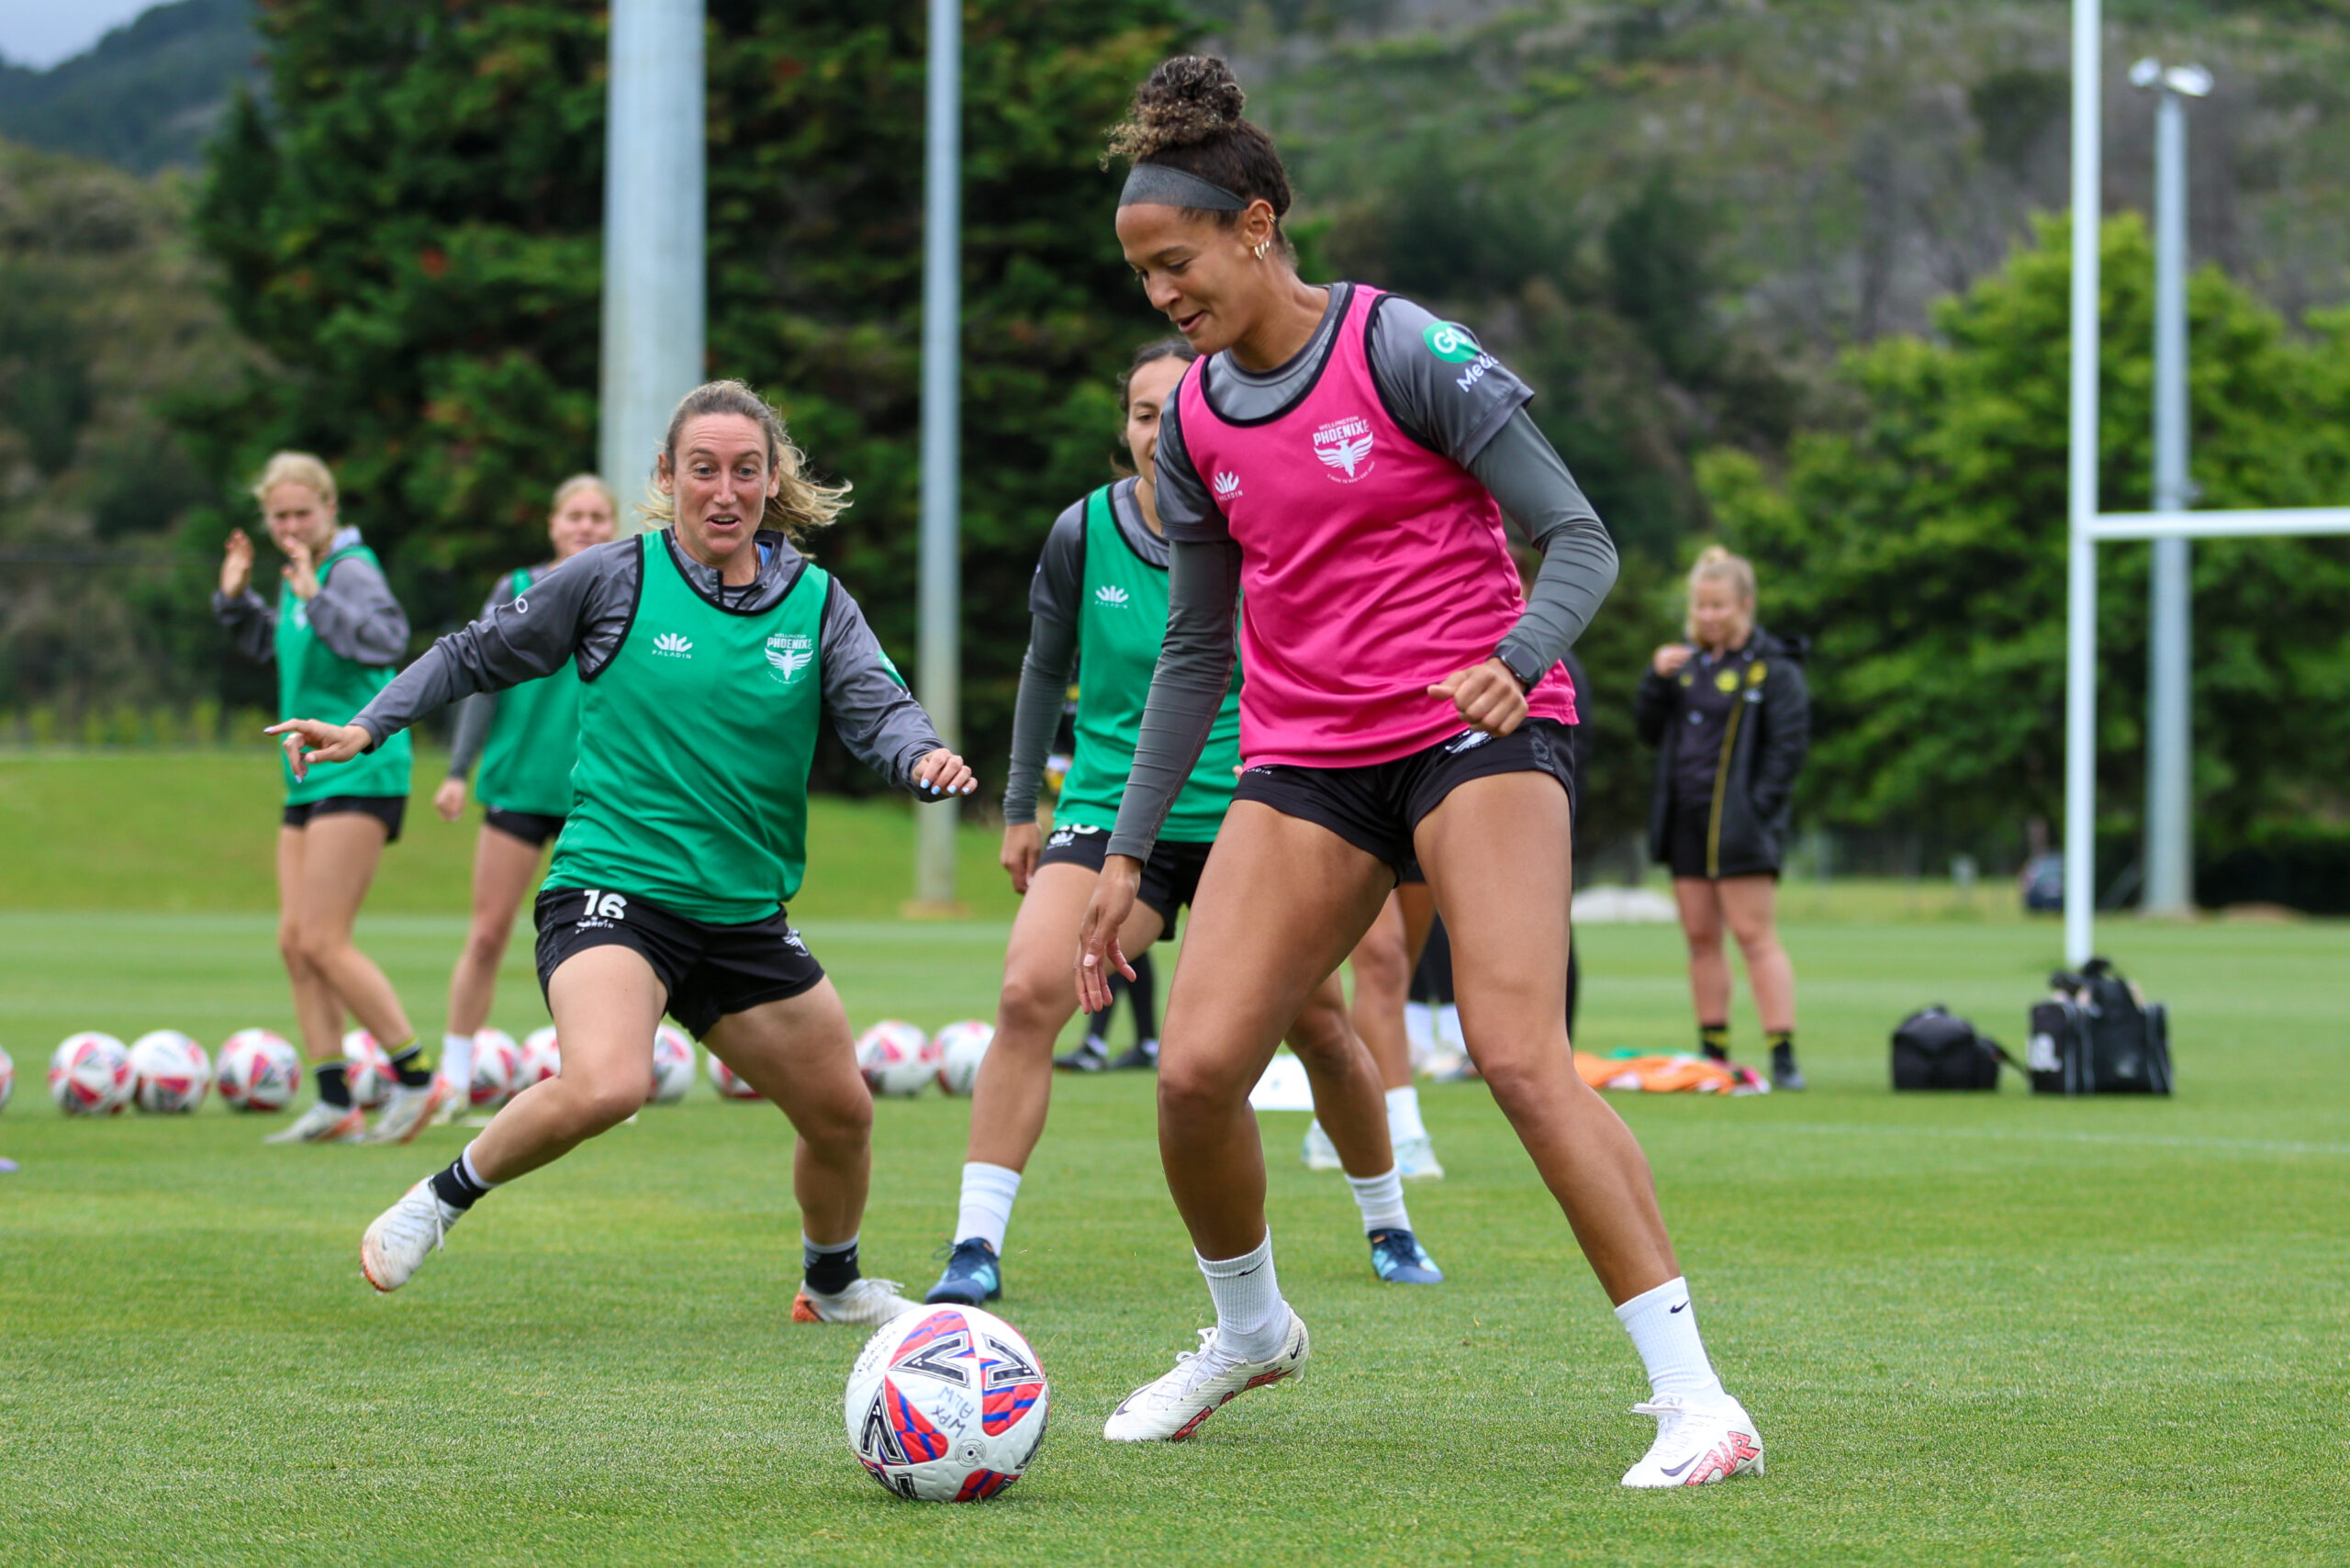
(1097, 934)
(1023, 842)
(309, 741)
(942, 773)
(236, 565)
(1488, 696)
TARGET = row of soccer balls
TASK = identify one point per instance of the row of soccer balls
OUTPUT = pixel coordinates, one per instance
(165, 1071)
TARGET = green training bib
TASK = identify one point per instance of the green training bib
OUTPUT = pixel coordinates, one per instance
(694, 746)
(1121, 626)
(533, 742)
(316, 682)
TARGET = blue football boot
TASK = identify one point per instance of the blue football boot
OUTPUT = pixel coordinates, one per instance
(973, 1276)
(1400, 1259)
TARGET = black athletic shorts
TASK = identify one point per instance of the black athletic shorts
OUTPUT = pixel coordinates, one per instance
(1171, 878)
(530, 828)
(710, 970)
(1684, 845)
(389, 810)
(1378, 808)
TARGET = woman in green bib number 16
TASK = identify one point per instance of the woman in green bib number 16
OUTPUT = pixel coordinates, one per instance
(705, 651)
(334, 635)
(526, 739)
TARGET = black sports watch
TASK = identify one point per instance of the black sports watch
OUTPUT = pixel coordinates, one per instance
(1515, 665)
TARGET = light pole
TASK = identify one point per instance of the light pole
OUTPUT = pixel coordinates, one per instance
(652, 233)
(939, 666)
(2169, 888)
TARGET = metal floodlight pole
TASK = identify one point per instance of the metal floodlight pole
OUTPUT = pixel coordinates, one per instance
(653, 283)
(942, 320)
(2170, 817)
(2080, 630)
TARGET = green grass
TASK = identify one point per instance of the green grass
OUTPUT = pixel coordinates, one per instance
(1977, 1328)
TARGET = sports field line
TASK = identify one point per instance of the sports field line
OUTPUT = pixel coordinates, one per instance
(2244, 1144)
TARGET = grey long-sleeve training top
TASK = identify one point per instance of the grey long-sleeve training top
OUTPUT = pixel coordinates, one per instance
(353, 613)
(477, 713)
(1480, 423)
(581, 611)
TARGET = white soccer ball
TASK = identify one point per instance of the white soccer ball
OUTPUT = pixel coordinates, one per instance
(896, 1058)
(258, 1070)
(730, 1082)
(7, 1079)
(173, 1074)
(946, 1405)
(541, 1058)
(959, 1047)
(489, 1079)
(89, 1075)
(673, 1064)
(368, 1068)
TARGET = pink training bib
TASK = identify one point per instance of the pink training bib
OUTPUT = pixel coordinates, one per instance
(1371, 569)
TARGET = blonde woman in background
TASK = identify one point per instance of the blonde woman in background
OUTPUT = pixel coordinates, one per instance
(1730, 718)
(334, 635)
(526, 739)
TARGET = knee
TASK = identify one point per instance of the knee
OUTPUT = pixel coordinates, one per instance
(1381, 967)
(1190, 1093)
(484, 946)
(1514, 1079)
(320, 948)
(844, 1125)
(290, 948)
(1033, 1000)
(608, 1099)
(1705, 942)
(1322, 1040)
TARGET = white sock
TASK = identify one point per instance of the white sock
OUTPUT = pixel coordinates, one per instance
(1404, 1114)
(987, 1191)
(1249, 1319)
(1419, 1032)
(457, 1059)
(472, 1171)
(1448, 1027)
(1381, 1198)
(1663, 1327)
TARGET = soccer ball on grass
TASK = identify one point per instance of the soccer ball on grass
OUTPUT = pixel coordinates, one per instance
(259, 1070)
(896, 1058)
(946, 1405)
(173, 1073)
(90, 1075)
(959, 1047)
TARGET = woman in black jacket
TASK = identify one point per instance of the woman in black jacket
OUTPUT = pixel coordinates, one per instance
(1729, 717)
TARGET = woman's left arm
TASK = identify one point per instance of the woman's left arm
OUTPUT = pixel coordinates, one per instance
(1786, 736)
(875, 715)
(1579, 564)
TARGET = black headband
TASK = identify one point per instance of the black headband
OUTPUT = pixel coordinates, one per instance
(1155, 185)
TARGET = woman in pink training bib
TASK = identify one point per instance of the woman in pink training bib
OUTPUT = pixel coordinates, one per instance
(1347, 459)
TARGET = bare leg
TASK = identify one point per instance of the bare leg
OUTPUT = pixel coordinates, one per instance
(1497, 854)
(1015, 1083)
(337, 863)
(1701, 923)
(317, 1011)
(1347, 1095)
(1383, 981)
(1750, 904)
(800, 1054)
(503, 866)
(1418, 901)
(1281, 903)
(607, 1001)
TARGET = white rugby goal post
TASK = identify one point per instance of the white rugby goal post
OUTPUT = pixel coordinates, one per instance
(2089, 528)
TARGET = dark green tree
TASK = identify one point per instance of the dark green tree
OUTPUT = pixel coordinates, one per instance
(1918, 536)
(410, 229)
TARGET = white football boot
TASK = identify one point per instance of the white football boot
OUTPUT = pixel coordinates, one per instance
(410, 1111)
(323, 1123)
(1416, 1159)
(457, 1103)
(395, 1244)
(868, 1303)
(1320, 1153)
(1696, 1444)
(1170, 1408)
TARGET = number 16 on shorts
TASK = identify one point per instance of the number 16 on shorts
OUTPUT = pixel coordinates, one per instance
(602, 908)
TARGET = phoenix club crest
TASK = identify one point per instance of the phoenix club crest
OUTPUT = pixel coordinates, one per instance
(1344, 446)
(788, 654)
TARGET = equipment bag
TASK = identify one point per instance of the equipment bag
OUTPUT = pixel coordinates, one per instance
(1932, 1049)
(2099, 1035)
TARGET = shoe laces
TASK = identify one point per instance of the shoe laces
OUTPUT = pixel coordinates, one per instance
(1191, 1369)
(428, 1213)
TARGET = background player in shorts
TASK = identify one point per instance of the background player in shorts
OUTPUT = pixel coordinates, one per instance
(1345, 459)
(526, 740)
(334, 635)
(707, 651)
(1099, 600)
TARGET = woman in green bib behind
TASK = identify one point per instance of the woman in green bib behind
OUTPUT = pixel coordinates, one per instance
(333, 634)
(526, 739)
(1099, 607)
(707, 651)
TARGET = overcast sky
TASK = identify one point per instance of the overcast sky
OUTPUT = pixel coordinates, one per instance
(42, 32)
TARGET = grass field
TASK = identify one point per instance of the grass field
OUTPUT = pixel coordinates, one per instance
(1975, 1329)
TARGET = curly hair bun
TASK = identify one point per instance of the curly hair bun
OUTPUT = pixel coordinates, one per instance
(1188, 100)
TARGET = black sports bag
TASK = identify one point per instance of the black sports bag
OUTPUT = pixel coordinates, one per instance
(1933, 1049)
(2097, 1035)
